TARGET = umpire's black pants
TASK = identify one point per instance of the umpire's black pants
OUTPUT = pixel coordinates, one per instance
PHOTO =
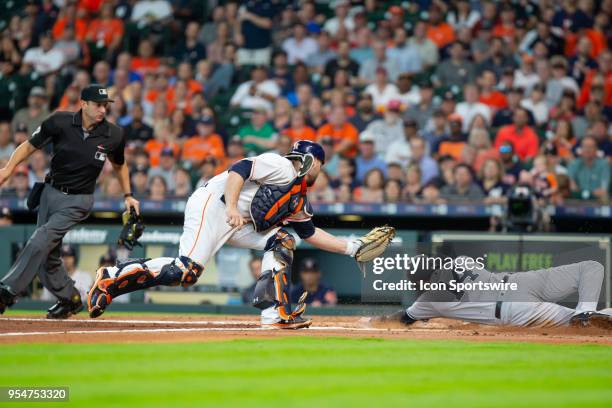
(58, 212)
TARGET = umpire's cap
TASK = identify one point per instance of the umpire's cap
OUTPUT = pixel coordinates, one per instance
(95, 93)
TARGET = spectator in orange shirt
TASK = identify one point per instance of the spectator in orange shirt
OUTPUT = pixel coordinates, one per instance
(145, 61)
(69, 17)
(343, 134)
(488, 94)
(298, 129)
(506, 27)
(598, 78)
(438, 31)
(522, 136)
(162, 139)
(72, 100)
(204, 144)
(106, 28)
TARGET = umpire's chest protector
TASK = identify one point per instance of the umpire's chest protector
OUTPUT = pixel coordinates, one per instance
(273, 204)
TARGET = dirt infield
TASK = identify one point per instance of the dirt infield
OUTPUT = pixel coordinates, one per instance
(122, 329)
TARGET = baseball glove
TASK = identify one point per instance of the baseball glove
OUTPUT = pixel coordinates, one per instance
(374, 243)
(133, 226)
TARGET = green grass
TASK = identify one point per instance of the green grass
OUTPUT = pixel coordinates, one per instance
(316, 372)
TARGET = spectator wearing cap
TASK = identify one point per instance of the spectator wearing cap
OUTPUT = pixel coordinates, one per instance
(405, 55)
(480, 45)
(471, 107)
(382, 91)
(82, 280)
(258, 92)
(341, 18)
(235, 152)
(44, 58)
(422, 112)
(457, 70)
(389, 129)
(299, 129)
(300, 47)
(343, 134)
(380, 60)
(367, 159)
(206, 142)
(438, 31)
(436, 130)
(36, 111)
(7, 147)
(454, 144)
(166, 168)
(137, 130)
(255, 32)
(426, 48)
(259, 135)
(520, 134)
(525, 76)
(463, 187)
(589, 174)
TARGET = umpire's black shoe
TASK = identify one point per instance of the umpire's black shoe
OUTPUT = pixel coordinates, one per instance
(63, 309)
(7, 298)
(592, 319)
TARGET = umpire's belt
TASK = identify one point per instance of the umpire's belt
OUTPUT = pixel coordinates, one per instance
(498, 305)
(67, 190)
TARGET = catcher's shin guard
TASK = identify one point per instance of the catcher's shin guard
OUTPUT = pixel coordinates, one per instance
(137, 274)
(272, 287)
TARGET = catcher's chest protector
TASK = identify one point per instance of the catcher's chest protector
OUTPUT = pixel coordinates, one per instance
(273, 204)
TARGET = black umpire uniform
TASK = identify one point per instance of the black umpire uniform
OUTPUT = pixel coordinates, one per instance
(66, 198)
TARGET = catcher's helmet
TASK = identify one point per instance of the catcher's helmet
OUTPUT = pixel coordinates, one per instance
(303, 147)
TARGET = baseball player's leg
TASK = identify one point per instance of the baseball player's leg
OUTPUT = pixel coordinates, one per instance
(204, 232)
(585, 277)
(272, 290)
(53, 276)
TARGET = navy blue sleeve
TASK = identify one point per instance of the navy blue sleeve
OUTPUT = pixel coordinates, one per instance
(304, 229)
(242, 167)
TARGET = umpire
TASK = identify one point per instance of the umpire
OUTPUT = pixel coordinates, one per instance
(82, 142)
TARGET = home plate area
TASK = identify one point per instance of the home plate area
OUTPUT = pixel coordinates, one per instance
(165, 328)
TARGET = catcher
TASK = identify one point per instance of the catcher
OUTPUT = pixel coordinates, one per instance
(251, 205)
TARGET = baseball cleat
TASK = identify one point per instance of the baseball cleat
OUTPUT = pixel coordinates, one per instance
(7, 299)
(293, 324)
(592, 319)
(98, 298)
(64, 308)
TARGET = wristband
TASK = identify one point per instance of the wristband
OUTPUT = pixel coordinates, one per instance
(126, 195)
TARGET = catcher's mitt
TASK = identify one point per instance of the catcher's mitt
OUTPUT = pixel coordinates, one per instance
(133, 226)
(374, 243)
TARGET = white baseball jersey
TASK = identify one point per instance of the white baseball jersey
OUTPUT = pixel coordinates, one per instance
(532, 304)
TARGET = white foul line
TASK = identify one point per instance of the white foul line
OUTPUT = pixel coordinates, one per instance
(168, 322)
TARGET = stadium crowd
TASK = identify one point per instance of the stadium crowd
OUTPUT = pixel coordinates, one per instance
(423, 101)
